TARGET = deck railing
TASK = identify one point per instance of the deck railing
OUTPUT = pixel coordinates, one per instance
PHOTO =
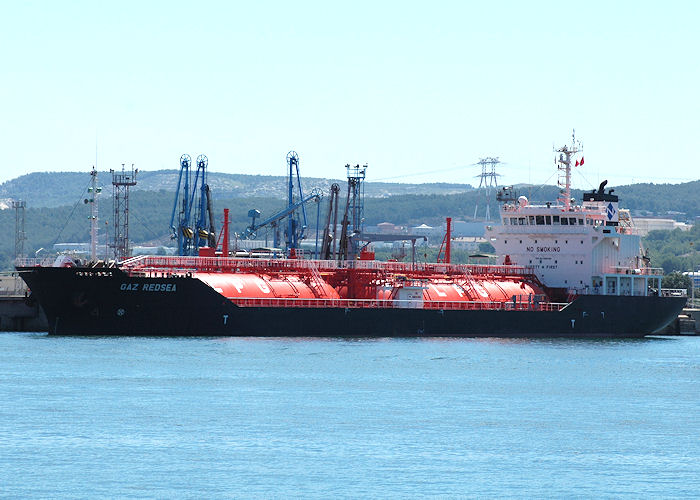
(395, 304)
(35, 261)
(148, 263)
(642, 271)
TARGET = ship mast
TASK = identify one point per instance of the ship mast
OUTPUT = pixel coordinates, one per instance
(563, 162)
(93, 191)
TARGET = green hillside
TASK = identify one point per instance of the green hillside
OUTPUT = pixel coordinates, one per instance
(47, 223)
(53, 189)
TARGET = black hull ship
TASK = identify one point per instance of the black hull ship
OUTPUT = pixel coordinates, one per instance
(93, 301)
(575, 271)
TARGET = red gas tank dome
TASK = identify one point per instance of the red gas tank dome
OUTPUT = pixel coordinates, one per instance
(260, 286)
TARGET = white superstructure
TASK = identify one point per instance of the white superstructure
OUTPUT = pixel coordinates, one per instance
(591, 248)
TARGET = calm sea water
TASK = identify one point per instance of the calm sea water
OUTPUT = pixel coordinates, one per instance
(308, 418)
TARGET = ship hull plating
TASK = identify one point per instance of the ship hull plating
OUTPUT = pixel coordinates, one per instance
(110, 302)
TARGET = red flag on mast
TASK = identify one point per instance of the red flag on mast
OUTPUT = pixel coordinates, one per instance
(577, 163)
(581, 161)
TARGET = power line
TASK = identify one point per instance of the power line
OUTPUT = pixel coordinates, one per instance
(418, 174)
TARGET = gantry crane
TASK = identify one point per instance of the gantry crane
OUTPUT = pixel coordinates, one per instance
(191, 231)
(295, 212)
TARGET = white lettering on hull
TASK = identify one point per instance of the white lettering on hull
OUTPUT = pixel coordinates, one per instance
(543, 249)
(149, 287)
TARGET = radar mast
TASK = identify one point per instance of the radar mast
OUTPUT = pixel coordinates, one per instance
(563, 162)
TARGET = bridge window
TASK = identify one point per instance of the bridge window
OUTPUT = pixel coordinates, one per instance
(572, 221)
(564, 221)
(555, 219)
(513, 221)
(531, 218)
(540, 220)
(548, 220)
(580, 222)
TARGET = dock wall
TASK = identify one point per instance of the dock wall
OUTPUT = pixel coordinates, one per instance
(19, 315)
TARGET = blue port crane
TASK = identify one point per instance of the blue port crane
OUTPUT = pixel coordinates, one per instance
(190, 229)
(182, 231)
(273, 221)
(204, 226)
(295, 212)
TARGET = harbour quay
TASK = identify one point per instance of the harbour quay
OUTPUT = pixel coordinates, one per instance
(17, 312)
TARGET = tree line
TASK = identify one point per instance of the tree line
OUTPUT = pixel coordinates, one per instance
(150, 213)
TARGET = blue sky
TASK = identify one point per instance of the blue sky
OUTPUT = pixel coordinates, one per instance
(406, 87)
